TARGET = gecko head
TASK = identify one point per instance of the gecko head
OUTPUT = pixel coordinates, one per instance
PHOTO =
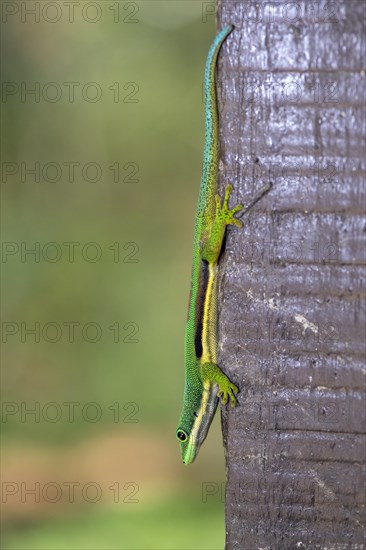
(187, 432)
(199, 407)
(188, 446)
(192, 432)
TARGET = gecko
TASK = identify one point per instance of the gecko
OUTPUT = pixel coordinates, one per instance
(205, 382)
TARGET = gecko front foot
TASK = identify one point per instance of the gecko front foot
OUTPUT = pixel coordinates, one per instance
(227, 390)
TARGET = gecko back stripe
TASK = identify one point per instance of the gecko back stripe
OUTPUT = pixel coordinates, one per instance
(200, 304)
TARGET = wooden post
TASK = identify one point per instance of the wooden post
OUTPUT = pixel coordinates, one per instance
(292, 310)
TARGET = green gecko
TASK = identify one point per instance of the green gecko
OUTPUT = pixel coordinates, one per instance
(205, 382)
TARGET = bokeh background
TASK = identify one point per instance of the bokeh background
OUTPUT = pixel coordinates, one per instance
(100, 176)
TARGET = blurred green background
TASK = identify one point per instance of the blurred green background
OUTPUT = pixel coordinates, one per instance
(114, 135)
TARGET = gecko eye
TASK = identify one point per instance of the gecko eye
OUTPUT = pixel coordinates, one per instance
(195, 413)
(181, 435)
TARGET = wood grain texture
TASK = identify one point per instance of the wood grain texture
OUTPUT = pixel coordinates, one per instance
(292, 307)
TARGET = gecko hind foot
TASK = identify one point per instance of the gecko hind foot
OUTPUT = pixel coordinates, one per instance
(224, 213)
